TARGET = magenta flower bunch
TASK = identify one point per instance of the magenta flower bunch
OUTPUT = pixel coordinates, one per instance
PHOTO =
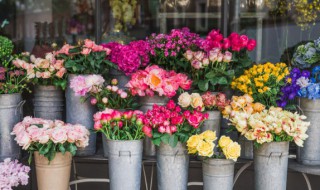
(12, 174)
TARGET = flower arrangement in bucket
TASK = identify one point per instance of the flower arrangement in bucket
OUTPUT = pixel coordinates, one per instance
(12, 174)
(43, 71)
(49, 137)
(263, 82)
(85, 58)
(170, 125)
(155, 80)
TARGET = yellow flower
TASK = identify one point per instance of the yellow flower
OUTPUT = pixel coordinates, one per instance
(258, 107)
(209, 135)
(232, 151)
(224, 141)
(289, 80)
(260, 91)
(196, 100)
(205, 148)
(192, 143)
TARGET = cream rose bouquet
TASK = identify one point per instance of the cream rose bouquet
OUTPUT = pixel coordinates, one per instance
(49, 137)
(204, 144)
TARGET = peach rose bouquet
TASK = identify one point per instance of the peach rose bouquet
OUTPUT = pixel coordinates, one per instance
(43, 71)
(203, 145)
(49, 137)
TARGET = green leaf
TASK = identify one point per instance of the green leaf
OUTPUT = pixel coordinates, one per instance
(173, 140)
(156, 141)
(222, 81)
(62, 149)
(214, 80)
(44, 149)
(165, 138)
(211, 74)
(203, 85)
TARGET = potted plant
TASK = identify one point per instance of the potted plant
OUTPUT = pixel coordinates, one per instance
(49, 76)
(52, 143)
(217, 166)
(124, 139)
(84, 59)
(12, 84)
(12, 174)
(271, 130)
(170, 128)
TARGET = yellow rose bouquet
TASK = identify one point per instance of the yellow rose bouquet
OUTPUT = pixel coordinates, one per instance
(263, 82)
(203, 145)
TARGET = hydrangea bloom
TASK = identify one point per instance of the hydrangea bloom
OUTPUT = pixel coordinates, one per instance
(12, 174)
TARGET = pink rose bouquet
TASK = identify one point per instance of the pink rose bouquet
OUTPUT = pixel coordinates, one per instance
(131, 57)
(49, 137)
(118, 125)
(167, 49)
(210, 70)
(155, 79)
(168, 124)
(12, 173)
(84, 85)
(86, 58)
(43, 71)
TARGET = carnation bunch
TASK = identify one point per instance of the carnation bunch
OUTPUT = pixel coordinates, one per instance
(43, 71)
(131, 57)
(12, 174)
(114, 97)
(263, 82)
(167, 49)
(49, 137)
(83, 85)
(168, 124)
(210, 70)
(86, 58)
(157, 80)
(203, 145)
(116, 125)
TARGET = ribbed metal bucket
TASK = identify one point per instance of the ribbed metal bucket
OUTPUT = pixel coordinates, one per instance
(213, 122)
(120, 76)
(48, 102)
(54, 175)
(309, 154)
(146, 103)
(271, 165)
(125, 161)
(172, 167)
(217, 174)
(81, 113)
(10, 114)
(246, 148)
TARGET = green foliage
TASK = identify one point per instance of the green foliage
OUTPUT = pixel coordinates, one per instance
(6, 48)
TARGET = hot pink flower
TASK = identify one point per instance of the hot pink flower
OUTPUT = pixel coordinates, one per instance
(251, 44)
(147, 131)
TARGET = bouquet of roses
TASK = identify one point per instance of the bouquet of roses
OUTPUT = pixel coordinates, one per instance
(168, 124)
(167, 49)
(87, 58)
(47, 71)
(263, 82)
(12, 173)
(210, 70)
(154, 79)
(84, 85)
(131, 57)
(116, 125)
(203, 145)
(208, 101)
(49, 137)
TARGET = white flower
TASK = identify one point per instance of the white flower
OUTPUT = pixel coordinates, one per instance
(303, 82)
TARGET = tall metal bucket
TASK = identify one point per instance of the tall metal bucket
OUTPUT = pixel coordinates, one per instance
(48, 102)
(218, 174)
(246, 148)
(309, 154)
(125, 162)
(172, 167)
(120, 76)
(146, 102)
(213, 122)
(11, 113)
(271, 165)
(78, 112)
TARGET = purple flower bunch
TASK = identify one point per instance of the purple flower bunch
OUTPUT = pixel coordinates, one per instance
(12, 174)
(295, 81)
(131, 57)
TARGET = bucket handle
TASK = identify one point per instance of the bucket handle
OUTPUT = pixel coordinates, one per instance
(20, 108)
(275, 154)
(125, 153)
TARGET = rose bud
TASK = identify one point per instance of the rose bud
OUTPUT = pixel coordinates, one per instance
(97, 125)
(114, 88)
(105, 100)
(162, 129)
(114, 82)
(124, 95)
(120, 124)
(188, 55)
(227, 57)
(173, 129)
(109, 87)
(205, 62)
(93, 101)
(139, 121)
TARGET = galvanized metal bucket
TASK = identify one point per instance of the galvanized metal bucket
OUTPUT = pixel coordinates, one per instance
(309, 154)
(271, 165)
(146, 102)
(48, 102)
(11, 113)
(218, 174)
(120, 76)
(105, 146)
(213, 122)
(125, 162)
(172, 167)
(78, 112)
(246, 148)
